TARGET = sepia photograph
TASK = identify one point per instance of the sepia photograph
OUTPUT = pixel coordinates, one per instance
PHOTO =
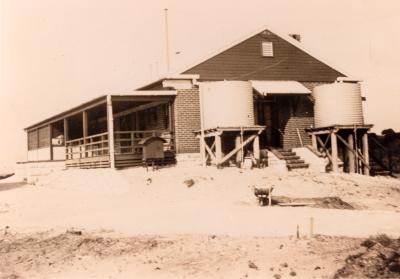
(175, 139)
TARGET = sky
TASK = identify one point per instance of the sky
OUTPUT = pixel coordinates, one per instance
(57, 54)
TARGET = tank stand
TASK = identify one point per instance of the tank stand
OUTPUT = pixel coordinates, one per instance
(215, 143)
(343, 144)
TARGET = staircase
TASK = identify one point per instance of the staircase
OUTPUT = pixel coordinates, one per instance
(292, 160)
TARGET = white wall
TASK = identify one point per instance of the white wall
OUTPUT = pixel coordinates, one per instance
(58, 152)
(41, 154)
(33, 172)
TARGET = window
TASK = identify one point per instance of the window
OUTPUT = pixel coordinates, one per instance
(267, 49)
(39, 138)
(44, 137)
(33, 140)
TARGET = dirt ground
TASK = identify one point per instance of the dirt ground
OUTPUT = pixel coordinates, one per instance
(190, 223)
(178, 256)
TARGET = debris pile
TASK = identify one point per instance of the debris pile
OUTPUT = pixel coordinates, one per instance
(322, 202)
(379, 258)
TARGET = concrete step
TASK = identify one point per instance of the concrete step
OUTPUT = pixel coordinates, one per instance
(297, 166)
(283, 150)
(295, 161)
(287, 153)
(292, 157)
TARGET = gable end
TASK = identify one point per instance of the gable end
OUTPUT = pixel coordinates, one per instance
(245, 61)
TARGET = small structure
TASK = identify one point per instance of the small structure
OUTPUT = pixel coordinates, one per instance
(153, 148)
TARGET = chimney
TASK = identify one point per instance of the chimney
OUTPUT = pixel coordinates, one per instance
(297, 37)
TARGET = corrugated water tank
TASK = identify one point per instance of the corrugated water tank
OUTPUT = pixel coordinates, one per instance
(227, 104)
(337, 104)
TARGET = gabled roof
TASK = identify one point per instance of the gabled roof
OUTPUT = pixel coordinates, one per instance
(280, 34)
(274, 30)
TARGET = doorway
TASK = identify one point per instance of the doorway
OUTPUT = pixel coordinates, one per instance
(268, 115)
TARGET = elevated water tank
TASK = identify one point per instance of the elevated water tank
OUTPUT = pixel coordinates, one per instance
(337, 104)
(227, 104)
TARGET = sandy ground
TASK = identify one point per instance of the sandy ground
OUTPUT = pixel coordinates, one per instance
(135, 203)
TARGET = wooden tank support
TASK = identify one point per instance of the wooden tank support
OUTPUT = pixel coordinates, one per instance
(218, 150)
(334, 152)
(314, 142)
(366, 153)
(243, 136)
(239, 154)
(350, 153)
(355, 153)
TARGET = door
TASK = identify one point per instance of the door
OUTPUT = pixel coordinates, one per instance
(268, 115)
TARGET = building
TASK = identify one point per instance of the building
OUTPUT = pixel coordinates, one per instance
(107, 131)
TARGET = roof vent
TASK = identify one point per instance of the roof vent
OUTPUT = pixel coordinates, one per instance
(267, 49)
(297, 37)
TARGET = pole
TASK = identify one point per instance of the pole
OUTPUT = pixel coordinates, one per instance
(218, 150)
(351, 155)
(167, 40)
(314, 141)
(365, 153)
(110, 129)
(202, 138)
(256, 149)
(85, 131)
(241, 142)
(334, 148)
(238, 141)
(356, 149)
(66, 137)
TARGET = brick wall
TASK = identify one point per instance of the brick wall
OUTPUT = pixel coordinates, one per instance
(300, 116)
(187, 119)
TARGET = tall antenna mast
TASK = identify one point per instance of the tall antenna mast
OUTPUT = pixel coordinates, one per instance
(167, 40)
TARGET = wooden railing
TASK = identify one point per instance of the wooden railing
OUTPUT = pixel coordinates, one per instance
(91, 146)
(127, 142)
